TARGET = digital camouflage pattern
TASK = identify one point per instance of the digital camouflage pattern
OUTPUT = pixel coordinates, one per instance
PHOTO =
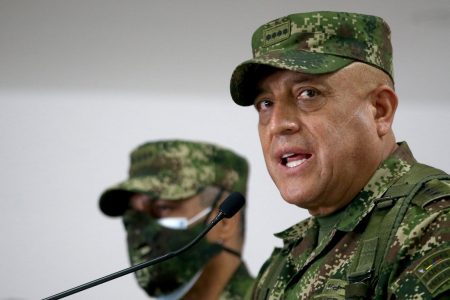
(239, 284)
(392, 242)
(314, 43)
(175, 170)
(147, 239)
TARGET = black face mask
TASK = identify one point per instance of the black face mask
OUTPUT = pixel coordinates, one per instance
(147, 239)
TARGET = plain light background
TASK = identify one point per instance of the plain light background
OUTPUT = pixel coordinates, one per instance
(82, 83)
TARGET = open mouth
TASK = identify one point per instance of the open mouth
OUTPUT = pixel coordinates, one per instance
(292, 160)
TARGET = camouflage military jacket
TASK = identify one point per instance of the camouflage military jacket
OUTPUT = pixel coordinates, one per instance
(392, 242)
(239, 285)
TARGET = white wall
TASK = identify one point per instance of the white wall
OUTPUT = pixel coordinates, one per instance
(84, 82)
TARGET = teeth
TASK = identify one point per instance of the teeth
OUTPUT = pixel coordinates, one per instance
(293, 164)
(287, 155)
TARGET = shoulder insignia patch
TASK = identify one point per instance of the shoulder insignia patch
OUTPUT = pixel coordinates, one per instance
(434, 271)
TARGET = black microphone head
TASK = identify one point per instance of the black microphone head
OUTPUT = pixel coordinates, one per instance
(232, 204)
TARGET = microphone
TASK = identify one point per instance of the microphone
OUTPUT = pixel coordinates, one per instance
(230, 206)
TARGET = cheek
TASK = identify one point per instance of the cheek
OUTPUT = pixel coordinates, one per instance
(326, 136)
(351, 139)
(361, 128)
(263, 138)
(341, 137)
(352, 127)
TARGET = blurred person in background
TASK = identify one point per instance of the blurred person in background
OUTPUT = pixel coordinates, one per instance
(173, 191)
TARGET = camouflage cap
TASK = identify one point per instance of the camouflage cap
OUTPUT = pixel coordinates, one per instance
(314, 43)
(175, 170)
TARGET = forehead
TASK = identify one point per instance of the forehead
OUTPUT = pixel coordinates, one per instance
(288, 75)
(348, 75)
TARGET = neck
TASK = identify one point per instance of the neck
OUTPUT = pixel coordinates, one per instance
(215, 277)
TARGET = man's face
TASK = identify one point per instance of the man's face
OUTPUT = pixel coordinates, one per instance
(156, 227)
(161, 208)
(318, 136)
(192, 209)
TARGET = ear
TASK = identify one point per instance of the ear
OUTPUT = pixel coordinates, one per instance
(384, 101)
(230, 227)
(226, 229)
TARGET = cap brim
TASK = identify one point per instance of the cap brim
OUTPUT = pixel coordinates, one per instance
(114, 203)
(243, 80)
(115, 200)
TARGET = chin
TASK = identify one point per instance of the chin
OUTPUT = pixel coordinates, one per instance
(296, 198)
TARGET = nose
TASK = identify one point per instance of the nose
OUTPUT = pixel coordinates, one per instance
(285, 119)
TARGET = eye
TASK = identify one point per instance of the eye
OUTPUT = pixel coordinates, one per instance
(310, 99)
(262, 104)
(307, 94)
(161, 210)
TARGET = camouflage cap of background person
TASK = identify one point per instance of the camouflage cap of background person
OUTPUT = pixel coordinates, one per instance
(175, 170)
(314, 43)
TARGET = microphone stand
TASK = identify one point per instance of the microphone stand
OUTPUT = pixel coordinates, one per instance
(137, 267)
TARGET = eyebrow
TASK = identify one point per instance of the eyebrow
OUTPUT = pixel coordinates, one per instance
(300, 78)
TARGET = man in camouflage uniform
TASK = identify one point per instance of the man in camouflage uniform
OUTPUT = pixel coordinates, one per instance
(173, 191)
(322, 84)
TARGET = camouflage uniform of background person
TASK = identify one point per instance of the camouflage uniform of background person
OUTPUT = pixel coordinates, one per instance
(173, 191)
(322, 84)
